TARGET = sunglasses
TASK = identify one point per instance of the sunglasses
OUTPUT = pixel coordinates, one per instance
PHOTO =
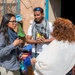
(37, 9)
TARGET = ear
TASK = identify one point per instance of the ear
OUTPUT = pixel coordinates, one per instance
(43, 14)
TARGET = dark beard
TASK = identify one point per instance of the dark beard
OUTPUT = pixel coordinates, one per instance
(39, 20)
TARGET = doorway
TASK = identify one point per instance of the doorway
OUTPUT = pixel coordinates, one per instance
(68, 9)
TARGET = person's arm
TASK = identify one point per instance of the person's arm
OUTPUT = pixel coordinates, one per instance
(6, 49)
(30, 40)
(50, 37)
(45, 61)
(29, 37)
(48, 40)
(37, 41)
(33, 61)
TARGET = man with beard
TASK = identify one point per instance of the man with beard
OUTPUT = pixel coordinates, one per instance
(39, 32)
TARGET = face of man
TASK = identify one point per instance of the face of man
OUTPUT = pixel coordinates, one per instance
(38, 16)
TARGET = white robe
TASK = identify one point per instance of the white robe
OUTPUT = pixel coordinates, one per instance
(57, 58)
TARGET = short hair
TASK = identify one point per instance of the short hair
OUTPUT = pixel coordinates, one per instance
(38, 9)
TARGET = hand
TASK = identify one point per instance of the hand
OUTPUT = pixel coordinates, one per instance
(17, 42)
(40, 40)
(33, 61)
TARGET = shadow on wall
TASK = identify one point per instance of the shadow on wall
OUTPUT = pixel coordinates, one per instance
(56, 7)
(67, 9)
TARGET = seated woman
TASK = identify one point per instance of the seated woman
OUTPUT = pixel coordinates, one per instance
(58, 58)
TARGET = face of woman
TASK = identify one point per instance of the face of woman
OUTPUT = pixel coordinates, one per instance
(12, 23)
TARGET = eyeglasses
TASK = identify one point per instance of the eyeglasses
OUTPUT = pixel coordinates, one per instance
(13, 22)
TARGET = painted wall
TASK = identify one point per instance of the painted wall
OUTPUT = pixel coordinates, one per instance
(27, 11)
